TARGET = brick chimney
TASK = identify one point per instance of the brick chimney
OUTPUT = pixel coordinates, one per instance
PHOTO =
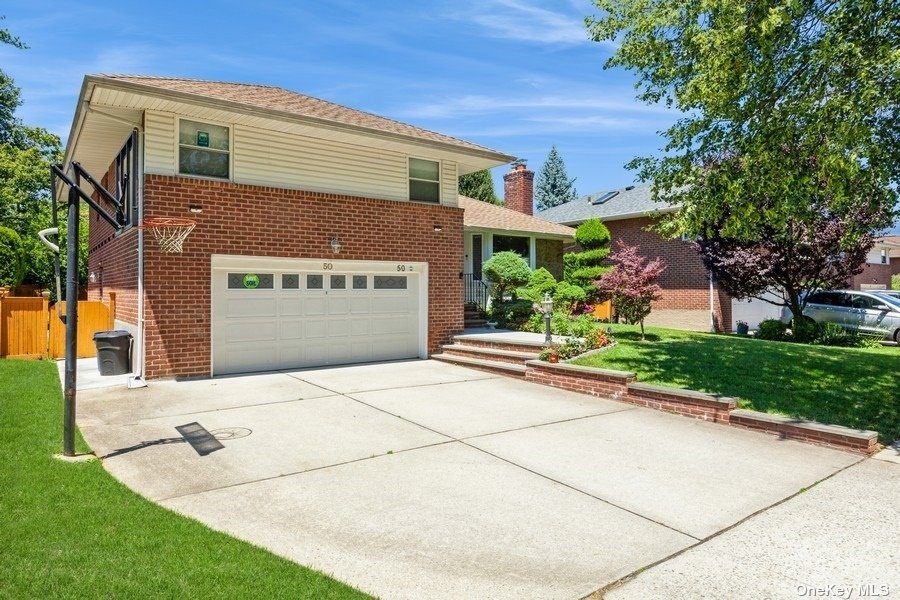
(518, 189)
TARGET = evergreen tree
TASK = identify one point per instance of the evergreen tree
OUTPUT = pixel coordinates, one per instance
(479, 185)
(553, 184)
(583, 268)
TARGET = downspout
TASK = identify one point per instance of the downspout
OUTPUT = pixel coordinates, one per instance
(138, 379)
(712, 309)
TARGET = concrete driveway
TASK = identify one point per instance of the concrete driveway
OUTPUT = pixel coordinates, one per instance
(422, 479)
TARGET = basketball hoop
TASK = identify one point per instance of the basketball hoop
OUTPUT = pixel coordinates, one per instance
(170, 233)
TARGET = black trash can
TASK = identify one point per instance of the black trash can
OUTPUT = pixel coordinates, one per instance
(113, 352)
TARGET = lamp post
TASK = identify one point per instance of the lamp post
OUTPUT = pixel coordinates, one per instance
(547, 307)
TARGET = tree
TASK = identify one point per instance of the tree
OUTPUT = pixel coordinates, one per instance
(790, 126)
(26, 154)
(479, 185)
(553, 185)
(631, 284)
(11, 259)
(506, 271)
(582, 268)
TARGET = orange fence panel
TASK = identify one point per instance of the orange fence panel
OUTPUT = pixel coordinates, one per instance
(603, 311)
(23, 327)
(92, 317)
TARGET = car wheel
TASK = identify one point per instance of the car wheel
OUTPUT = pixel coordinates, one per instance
(897, 337)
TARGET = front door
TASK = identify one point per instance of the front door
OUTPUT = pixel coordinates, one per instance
(477, 254)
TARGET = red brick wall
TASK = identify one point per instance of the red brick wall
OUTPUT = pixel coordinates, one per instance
(518, 190)
(685, 281)
(873, 274)
(265, 221)
(113, 260)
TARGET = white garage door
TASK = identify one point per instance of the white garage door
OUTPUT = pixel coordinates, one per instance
(272, 314)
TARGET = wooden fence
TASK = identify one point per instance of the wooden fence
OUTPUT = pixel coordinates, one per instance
(32, 328)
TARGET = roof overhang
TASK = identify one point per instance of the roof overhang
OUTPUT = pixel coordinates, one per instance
(537, 234)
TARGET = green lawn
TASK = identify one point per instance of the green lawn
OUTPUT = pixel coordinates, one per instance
(72, 531)
(854, 387)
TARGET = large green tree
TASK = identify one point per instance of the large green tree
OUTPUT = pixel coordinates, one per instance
(553, 186)
(761, 86)
(26, 154)
(479, 185)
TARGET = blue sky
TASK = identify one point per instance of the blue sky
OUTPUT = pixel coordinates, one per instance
(514, 75)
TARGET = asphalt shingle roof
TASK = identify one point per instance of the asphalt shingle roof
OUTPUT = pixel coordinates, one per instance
(490, 216)
(280, 99)
(627, 203)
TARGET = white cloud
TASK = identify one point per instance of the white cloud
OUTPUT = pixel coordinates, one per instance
(522, 20)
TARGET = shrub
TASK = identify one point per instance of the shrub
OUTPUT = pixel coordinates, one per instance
(583, 325)
(582, 268)
(832, 334)
(804, 331)
(12, 263)
(507, 271)
(772, 329)
(540, 282)
(895, 281)
(567, 296)
(512, 314)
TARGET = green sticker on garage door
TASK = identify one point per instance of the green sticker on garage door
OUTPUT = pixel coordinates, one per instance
(251, 280)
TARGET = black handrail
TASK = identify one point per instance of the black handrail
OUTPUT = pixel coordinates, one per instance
(476, 291)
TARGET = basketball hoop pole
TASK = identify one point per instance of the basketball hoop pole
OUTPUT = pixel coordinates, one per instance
(74, 206)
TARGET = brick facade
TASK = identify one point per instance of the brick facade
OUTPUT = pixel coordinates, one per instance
(240, 219)
(874, 274)
(685, 284)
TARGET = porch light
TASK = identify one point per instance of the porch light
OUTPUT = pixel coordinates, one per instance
(335, 244)
(195, 208)
(438, 227)
(547, 309)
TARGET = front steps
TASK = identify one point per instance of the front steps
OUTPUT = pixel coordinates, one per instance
(494, 355)
(473, 318)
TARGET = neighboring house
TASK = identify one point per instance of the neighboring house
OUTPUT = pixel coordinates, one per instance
(882, 261)
(490, 228)
(324, 235)
(689, 300)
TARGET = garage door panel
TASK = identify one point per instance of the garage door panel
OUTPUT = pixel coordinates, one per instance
(315, 329)
(290, 307)
(360, 306)
(314, 307)
(390, 325)
(291, 329)
(250, 307)
(360, 327)
(338, 306)
(388, 305)
(308, 319)
(251, 330)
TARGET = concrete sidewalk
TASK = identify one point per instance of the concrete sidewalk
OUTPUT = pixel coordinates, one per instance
(423, 479)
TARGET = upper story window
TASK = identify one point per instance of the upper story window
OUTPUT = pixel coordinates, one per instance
(424, 180)
(203, 149)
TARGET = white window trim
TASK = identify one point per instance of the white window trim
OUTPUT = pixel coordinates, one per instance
(178, 145)
(440, 165)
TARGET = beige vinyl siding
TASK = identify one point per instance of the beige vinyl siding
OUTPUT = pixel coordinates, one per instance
(449, 184)
(266, 157)
(273, 158)
(159, 143)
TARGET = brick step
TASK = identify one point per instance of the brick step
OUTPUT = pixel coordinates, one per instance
(469, 340)
(493, 366)
(495, 354)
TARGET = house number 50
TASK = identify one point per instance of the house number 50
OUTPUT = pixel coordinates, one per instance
(405, 268)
